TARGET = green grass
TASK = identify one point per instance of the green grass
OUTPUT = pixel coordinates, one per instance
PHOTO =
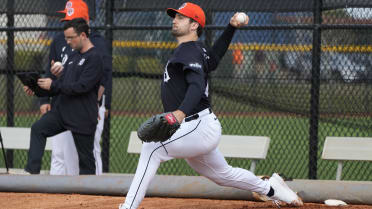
(135, 99)
(288, 152)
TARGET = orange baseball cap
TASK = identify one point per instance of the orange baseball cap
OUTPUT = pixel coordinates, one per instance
(190, 10)
(76, 9)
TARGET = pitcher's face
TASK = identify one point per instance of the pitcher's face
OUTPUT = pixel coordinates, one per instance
(181, 25)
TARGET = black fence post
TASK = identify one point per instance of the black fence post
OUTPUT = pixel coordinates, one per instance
(10, 74)
(315, 89)
(106, 128)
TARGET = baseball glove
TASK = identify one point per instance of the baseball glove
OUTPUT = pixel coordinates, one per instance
(158, 128)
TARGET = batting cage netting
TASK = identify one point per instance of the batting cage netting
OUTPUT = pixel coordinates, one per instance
(299, 72)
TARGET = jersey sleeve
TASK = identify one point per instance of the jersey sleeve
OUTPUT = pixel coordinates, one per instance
(196, 87)
(220, 47)
(189, 56)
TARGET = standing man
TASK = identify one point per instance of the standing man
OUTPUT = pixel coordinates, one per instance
(76, 110)
(64, 155)
(184, 92)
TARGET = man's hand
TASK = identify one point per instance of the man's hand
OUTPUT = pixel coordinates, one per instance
(179, 115)
(28, 91)
(56, 69)
(45, 83)
(45, 108)
(234, 21)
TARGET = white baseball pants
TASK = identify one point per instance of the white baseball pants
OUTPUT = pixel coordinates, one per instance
(195, 141)
(65, 160)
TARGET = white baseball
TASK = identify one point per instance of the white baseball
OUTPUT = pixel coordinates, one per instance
(242, 17)
(57, 64)
(332, 202)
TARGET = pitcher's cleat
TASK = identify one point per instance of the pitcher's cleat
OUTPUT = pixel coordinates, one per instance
(283, 193)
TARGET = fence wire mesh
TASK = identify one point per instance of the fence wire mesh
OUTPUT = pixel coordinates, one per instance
(264, 85)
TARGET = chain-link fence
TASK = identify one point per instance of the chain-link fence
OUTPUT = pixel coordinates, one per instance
(299, 72)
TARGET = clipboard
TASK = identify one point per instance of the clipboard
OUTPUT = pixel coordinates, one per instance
(30, 79)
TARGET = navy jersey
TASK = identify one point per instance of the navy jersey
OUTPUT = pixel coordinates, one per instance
(185, 84)
(61, 51)
(77, 90)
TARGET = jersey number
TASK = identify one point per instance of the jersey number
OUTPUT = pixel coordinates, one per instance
(206, 90)
(166, 75)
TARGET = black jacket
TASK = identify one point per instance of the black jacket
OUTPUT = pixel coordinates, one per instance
(60, 51)
(77, 90)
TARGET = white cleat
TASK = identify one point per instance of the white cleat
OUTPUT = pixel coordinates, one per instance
(282, 192)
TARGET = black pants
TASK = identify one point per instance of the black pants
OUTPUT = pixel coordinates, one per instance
(50, 124)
